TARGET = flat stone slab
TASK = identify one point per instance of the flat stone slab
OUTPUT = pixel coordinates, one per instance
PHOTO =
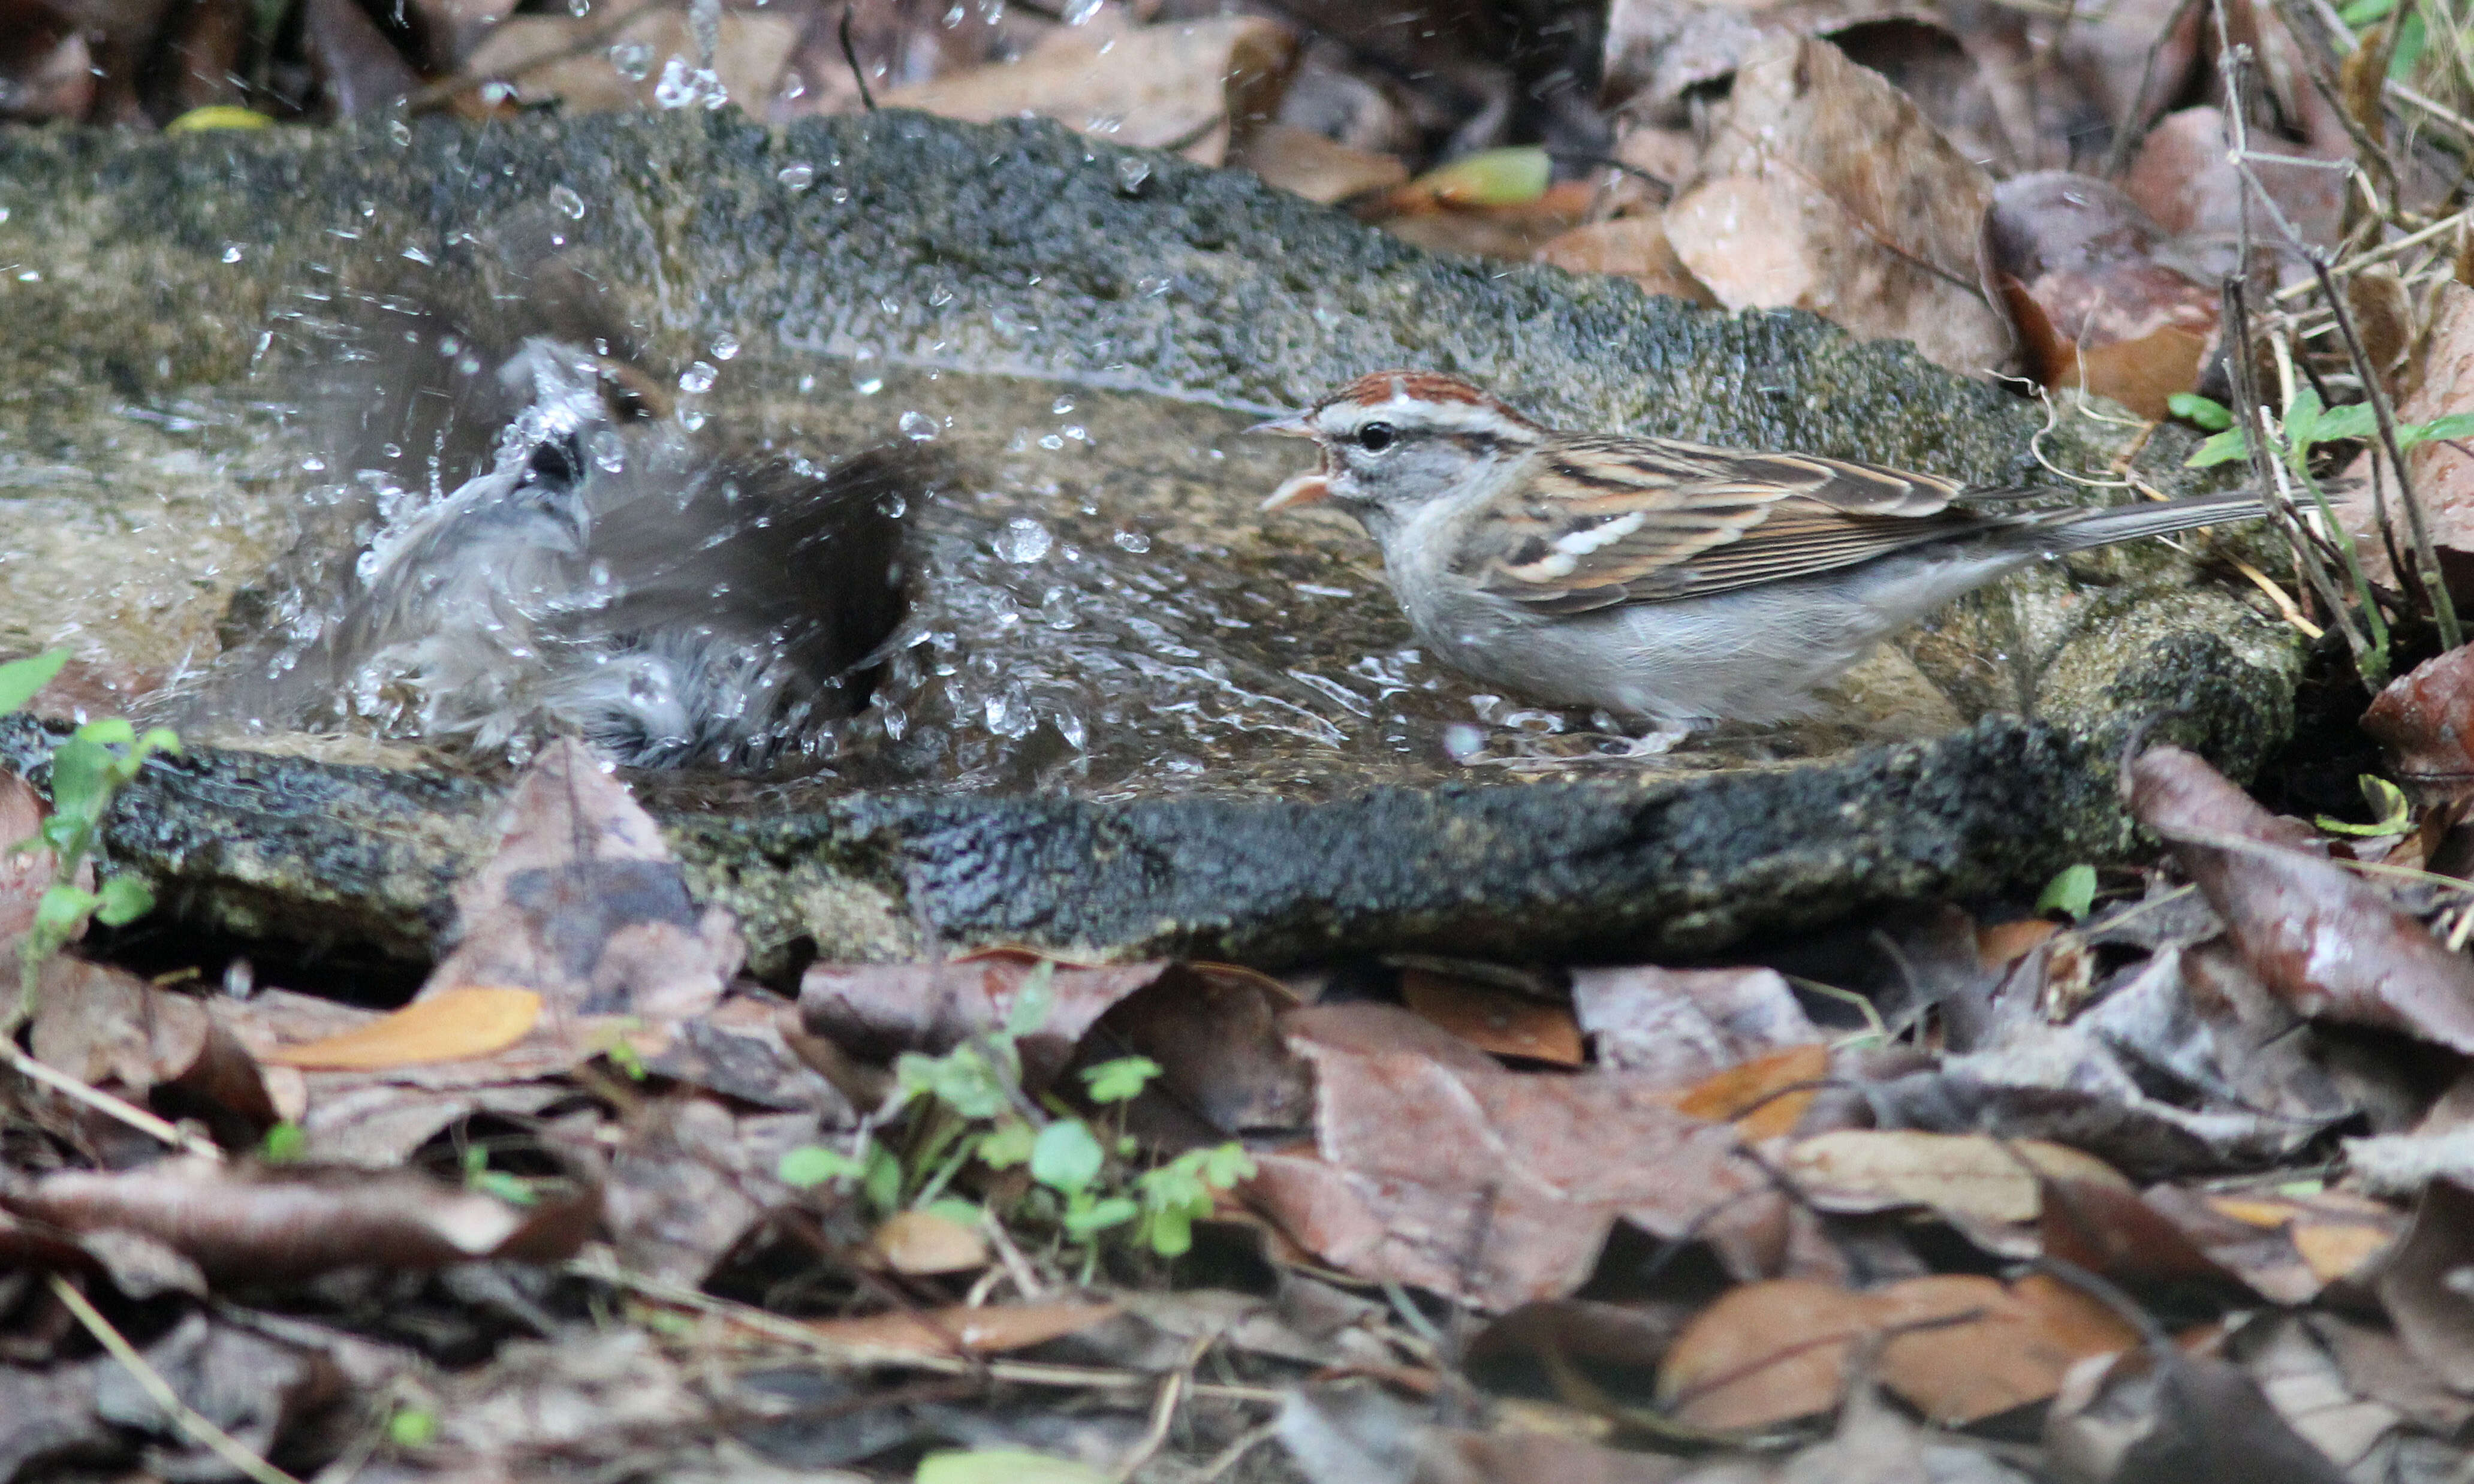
(166, 273)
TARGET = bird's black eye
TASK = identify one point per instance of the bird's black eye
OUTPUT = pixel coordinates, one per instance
(1375, 437)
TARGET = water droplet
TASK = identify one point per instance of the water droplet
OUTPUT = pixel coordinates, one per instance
(313, 462)
(919, 426)
(868, 385)
(838, 195)
(1464, 742)
(941, 295)
(632, 59)
(724, 345)
(570, 204)
(1061, 405)
(797, 177)
(1132, 541)
(1079, 13)
(399, 131)
(691, 418)
(677, 88)
(808, 383)
(231, 252)
(1024, 541)
(1057, 609)
(697, 377)
(1077, 432)
(416, 255)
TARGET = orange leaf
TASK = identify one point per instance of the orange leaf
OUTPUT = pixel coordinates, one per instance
(1738, 1092)
(471, 1021)
(1496, 1020)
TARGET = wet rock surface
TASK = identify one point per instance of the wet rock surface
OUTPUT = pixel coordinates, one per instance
(1282, 790)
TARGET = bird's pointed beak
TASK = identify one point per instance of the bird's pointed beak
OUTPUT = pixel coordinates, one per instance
(1297, 490)
(1293, 425)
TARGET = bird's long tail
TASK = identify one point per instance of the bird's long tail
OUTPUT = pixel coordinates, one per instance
(2079, 529)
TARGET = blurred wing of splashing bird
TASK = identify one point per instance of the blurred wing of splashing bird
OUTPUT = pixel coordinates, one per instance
(675, 599)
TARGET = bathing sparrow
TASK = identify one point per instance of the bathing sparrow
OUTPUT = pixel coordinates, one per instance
(1654, 578)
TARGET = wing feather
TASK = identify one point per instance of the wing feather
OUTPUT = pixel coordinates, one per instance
(1613, 521)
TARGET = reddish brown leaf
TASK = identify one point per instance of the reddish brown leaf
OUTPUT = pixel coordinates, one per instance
(2077, 261)
(1439, 1168)
(1493, 1020)
(1767, 1352)
(1214, 1031)
(2107, 1228)
(2327, 943)
(358, 68)
(2425, 720)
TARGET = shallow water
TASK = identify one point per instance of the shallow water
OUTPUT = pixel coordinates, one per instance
(1099, 607)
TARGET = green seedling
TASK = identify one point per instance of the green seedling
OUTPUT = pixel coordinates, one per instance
(2070, 893)
(966, 1109)
(96, 761)
(2391, 813)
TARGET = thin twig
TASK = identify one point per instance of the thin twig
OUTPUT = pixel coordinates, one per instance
(2427, 573)
(105, 1103)
(221, 1443)
(792, 1331)
(850, 58)
(1172, 1392)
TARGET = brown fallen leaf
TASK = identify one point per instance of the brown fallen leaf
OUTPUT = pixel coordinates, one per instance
(1631, 247)
(2327, 943)
(1764, 1098)
(2419, 1286)
(960, 1331)
(1214, 1031)
(2107, 1229)
(110, 1029)
(1437, 1167)
(357, 67)
(1305, 163)
(2440, 380)
(46, 67)
(469, 1020)
(296, 1223)
(537, 57)
(583, 903)
(1494, 1020)
(2425, 720)
(2183, 179)
(921, 1241)
(2078, 264)
(1772, 1351)
(1176, 86)
(1687, 1024)
(1825, 189)
(24, 874)
(1855, 1170)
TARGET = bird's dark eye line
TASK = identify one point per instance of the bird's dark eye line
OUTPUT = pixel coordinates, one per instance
(1375, 437)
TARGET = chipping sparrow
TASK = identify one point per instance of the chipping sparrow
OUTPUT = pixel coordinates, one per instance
(1653, 578)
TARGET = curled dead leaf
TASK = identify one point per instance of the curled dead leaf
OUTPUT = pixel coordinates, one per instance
(295, 1223)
